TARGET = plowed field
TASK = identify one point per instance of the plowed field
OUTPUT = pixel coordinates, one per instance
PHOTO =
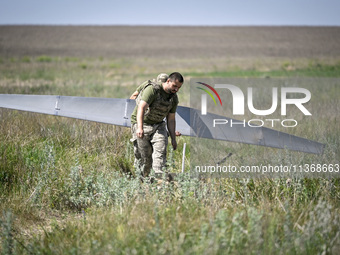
(170, 42)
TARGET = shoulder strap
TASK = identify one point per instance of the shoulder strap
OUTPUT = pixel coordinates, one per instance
(155, 85)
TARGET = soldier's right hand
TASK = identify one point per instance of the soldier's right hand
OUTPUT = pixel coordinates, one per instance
(140, 132)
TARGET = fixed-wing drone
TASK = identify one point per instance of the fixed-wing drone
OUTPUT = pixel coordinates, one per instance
(189, 120)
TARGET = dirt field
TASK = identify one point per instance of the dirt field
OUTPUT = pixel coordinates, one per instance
(170, 42)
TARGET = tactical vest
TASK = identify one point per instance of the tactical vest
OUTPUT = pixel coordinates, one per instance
(160, 107)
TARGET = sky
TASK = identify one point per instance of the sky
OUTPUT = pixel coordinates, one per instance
(175, 12)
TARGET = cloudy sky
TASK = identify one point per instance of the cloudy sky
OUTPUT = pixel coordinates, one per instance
(175, 12)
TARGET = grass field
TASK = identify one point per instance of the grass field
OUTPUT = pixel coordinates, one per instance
(66, 185)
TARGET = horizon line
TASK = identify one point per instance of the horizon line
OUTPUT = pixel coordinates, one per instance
(165, 25)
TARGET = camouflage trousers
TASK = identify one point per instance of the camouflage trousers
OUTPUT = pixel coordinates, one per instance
(150, 151)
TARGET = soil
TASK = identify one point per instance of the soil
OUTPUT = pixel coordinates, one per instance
(170, 42)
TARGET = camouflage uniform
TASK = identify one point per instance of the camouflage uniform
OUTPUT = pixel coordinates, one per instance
(150, 151)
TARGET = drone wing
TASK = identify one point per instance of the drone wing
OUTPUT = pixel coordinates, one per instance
(189, 121)
(106, 110)
(200, 125)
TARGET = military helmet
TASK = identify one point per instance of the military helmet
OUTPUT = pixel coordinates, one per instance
(162, 77)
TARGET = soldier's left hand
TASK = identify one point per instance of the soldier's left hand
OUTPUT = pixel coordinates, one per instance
(174, 144)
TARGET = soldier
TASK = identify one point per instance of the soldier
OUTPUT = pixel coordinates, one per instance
(162, 77)
(154, 102)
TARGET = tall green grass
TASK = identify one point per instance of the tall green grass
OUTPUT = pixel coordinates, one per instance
(69, 187)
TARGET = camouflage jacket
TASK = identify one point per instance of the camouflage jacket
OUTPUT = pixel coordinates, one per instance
(160, 107)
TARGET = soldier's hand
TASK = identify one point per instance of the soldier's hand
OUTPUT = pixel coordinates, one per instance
(140, 132)
(174, 144)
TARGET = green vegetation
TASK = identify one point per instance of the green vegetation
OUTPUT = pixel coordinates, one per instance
(68, 186)
(46, 59)
(314, 69)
